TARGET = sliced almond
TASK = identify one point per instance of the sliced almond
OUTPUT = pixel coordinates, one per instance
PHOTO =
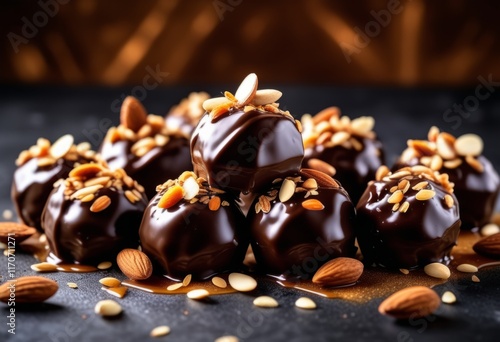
(119, 291)
(437, 270)
(174, 287)
(490, 229)
(420, 185)
(310, 183)
(266, 96)
(265, 302)
(198, 294)
(171, 197)
(396, 197)
(362, 125)
(265, 205)
(247, 89)
(110, 282)
(219, 282)
(404, 271)
(445, 146)
(326, 114)
(242, 282)
(227, 338)
(436, 163)
(475, 279)
(287, 190)
(474, 163)
(187, 280)
(72, 285)
(433, 134)
(61, 146)
(340, 137)
(382, 171)
(449, 201)
(313, 204)
(100, 204)
(448, 297)
(85, 170)
(160, 331)
(467, 268)
(191, 188)
(108, 308)
(404, 207)
(453, 163)
(44, 267)
(425, 194)
(469, 145)
(322, 179)
(89, 190)
(215, 102)
(305, 303)
(104, 265)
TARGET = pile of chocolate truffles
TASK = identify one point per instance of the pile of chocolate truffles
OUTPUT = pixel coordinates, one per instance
(228, 172)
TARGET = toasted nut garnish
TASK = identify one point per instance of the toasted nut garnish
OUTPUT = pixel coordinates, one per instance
(198, 294)
(287, 190)
(108, 308)
(469, 145)
(396, 197)
(404, 271)
(474, 163)
(119, 291)
(467, 268)
(362, 125)
(100, 204)
(448, 297)
(340, 137)
(475, 279)
(415, 302)
(219, 282)
(104, 265)
(425, 194)
(132, 114)
(404, 207)
(326, 114)
(171, 197)
(215, 102)
(72, 285)
(159, 331)
(321, 178)
(44, 267)
(89, 190)
(433, 134)
(191, 188)
(110, 282)
(322, 166)
(310, 183)
(436, 163)
(452, 164)
(45, 161)
(242, 282)
(404, 185)
(174, 287)
(305, 303)
(339, 272)
(134, 264)
(266, 96)
(13, 229)
(265, 302)
(313, 204)
(265, 205)
(187, 280)
(214, 203)
(449, 201)
(85, 170)
(247, 89)
(437, 270)
(382, 171)
(420, 186)
(61, 146)
(227, 338)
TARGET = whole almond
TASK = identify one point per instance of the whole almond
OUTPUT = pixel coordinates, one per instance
(134, 264)
(14, 230)
(488, 246)
(132, 114)
(322, 179)
(415, 301)
(339, 272)
(30, 289)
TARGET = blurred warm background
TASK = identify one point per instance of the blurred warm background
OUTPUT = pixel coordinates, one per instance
(390, 42)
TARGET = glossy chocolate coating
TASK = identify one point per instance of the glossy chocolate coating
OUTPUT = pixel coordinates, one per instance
(425, 233)
(246, 151)
(150, 170)
(476, 192)
(191, 239)
(75, 234)
(293, 242)
(354, 168)
(32, 185)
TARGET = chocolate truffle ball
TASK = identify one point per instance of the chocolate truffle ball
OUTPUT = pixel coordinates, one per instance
(185, 116)
(191, 228)
(407, 219)
(38, 168)
(245, 141)
(93, 214)
(300, 223)
(350, 146)
(145, 147)
(476, 182)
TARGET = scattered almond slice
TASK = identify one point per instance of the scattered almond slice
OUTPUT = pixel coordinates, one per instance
(437, 270)
(467, 268)
(266, 96)
(215, 102)
(44, 267)
(104, 265)
(448, 297)
(247, 89)
(219, 282)
(469, 145)
(227, 338)
(265, 302)
(305, 303)
(61, 146)
(198, 294)
(72, 285)
(110, 282)
(475, 279)
(119, 291)
(160, 331)
(108, 308)
(187, 280)
(174, 287)
(242, 282)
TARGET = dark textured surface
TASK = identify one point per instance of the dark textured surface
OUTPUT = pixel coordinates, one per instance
(27, 113)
